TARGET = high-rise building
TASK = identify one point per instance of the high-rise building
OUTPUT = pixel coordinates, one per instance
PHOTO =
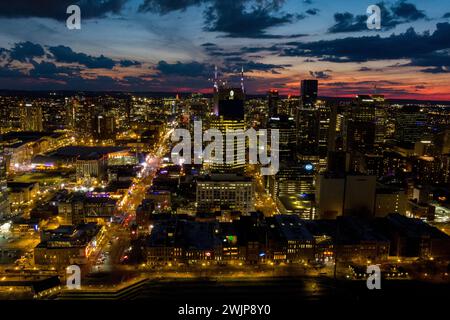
(345, 194)
(308, 92)
(292, 178)
(325, 128)
(104, 127)
(230, 117)
(31, 117)
(314, 120)
(287, 136)
(273, 101)
(71, 112)
(360, 125)
(4, 199)
(381, 119)
(231, 103)
(308, 118)
(411, 124)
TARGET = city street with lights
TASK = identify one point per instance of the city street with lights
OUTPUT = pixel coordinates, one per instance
(217, 159)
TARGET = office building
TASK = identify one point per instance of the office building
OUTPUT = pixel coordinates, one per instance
(349, 194)
(360, 125)
(4, 198)
(308, 93)
(227, 192)
(410, 124)
(230, 117)
(31, 117)
(104, 127)
(273, 102)
(287, 136)
(390, 199)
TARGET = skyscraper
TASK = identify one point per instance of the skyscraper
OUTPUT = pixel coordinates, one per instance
(411, 124)
(381, 119)
(287, 133)
(307, 118)
(4, 200)
(273, 100)
(104, 127)
(31, 117)
(308, 92)
(313, 122)
(360, 125)
(230, 117)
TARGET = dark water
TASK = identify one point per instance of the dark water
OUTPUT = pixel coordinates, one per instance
(273, 290)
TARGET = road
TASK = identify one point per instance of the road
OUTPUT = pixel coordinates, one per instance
(118, 235)
(138, 189)
(263, 200)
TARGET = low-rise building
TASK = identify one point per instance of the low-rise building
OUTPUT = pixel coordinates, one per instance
(67, 245)
(22, 192)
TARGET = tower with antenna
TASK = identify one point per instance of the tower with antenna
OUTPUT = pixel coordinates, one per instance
(242, 79)
(216, 92)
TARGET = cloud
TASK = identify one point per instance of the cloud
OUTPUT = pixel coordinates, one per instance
(347, 22)
(312, 12)
(209, 45)
(408, 45)
(358, 87)
(67, 55)
(166, 6)
(6, 72)
(235, 65)
(259, 49)
(25, 51)
(234, 60)
(49, 69)
(325, 74)
(129, 63)
(398, 13)
(438, 59)
(407, 11)
(441, 69)
(187, 69)
(56, 9)
(236, 19)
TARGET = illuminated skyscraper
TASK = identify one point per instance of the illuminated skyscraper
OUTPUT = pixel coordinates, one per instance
(230, 117)
(313, 122)
(287, 134)
(4, 201)
(360, 125)
(411, 124)
(307, 121)
(104, 127)
(31, 117)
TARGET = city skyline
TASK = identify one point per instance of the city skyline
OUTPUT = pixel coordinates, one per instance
(173, 46)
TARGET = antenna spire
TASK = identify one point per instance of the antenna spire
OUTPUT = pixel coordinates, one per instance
(242, 79)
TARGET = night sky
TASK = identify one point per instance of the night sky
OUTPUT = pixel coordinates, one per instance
(173, 45)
